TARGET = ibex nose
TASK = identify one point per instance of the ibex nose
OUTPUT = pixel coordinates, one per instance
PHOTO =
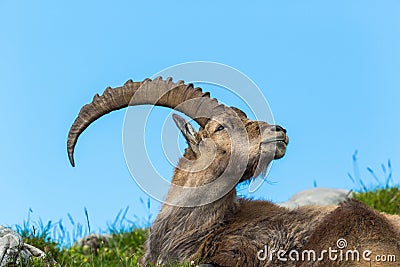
(278, 128)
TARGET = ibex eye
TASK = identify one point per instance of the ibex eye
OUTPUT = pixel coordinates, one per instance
(220, 128)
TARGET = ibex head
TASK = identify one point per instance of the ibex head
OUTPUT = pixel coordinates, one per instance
(256, 143)
(226, 135)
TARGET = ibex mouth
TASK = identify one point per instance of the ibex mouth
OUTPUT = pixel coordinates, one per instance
(275, 140)
(280, 144)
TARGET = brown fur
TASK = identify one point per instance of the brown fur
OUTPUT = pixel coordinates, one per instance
(362, 228)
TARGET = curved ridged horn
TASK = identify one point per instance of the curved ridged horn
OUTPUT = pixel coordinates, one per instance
(151, 92)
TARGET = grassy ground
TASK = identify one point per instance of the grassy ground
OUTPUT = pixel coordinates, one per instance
(124, 249)
(383, 194)
(382, 199)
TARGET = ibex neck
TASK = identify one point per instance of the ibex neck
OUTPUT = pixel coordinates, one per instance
(178, 230)
(175, 226)
(205, 216)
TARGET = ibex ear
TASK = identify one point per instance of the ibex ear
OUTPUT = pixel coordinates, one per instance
(188, 132)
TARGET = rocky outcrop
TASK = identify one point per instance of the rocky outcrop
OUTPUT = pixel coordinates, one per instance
(14, 251)
(318, 196)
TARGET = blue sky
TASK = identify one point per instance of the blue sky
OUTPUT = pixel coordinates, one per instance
(329, 69)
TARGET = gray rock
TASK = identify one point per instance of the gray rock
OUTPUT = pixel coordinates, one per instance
(93, 242)
(12, 248)
(318, 196)
(14, 251)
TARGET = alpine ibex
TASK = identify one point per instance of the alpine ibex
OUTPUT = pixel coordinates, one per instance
(205, 222)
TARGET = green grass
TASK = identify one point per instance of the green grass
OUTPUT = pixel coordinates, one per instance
(382, 193)
(125, 249)
(382, 199)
